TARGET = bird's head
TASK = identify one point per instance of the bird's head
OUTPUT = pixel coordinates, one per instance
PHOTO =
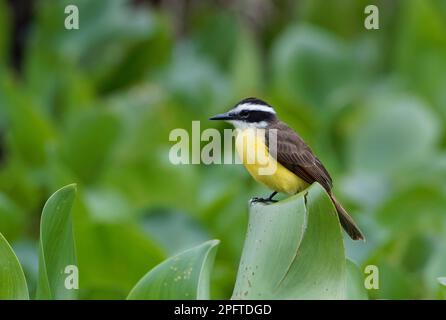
(249, 113)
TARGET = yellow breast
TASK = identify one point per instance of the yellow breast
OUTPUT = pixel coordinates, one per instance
(253, 152)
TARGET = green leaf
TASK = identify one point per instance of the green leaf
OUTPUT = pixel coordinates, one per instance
(355, 282)
(184, 276)
(442, 288)
(246, 66)
(113, 257)
(11, 218)
(12, 280)
(30, 135)
(293, 250)
(57, 248)
(420, 49)
(311, 66)
(218, 24)
(92, 133)
(435, 270)
(395, 283)
(108, 26)
(418, 208)
(378, 144)
(161, 224)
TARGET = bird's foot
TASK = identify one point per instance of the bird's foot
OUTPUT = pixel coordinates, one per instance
(262, 200)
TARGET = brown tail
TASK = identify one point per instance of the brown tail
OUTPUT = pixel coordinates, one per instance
(346, 221)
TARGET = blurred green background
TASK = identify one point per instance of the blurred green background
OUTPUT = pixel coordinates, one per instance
(95, 106)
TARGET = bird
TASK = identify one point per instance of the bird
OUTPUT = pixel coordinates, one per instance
(296, 166)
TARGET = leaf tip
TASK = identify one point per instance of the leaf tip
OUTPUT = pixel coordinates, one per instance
(72, 186)
(214, 242)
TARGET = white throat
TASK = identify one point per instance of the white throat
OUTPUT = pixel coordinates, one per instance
(242, 125)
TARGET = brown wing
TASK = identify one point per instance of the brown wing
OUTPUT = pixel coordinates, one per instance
(294, 154)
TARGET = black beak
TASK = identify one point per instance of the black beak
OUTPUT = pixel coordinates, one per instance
(223, 116)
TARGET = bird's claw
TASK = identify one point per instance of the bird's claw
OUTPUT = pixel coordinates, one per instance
(262, 200)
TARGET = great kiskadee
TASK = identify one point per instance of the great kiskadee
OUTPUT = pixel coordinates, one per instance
(296, 167)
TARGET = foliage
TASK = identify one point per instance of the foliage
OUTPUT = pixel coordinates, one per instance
(12, 280)
(56, 246)
(184, 276)
(293, 250)
(295, 265)
(95, 106)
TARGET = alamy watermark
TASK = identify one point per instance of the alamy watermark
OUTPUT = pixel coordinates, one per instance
(250, 145)
(371, 281)
(72, 278)
(371, 21)
(72, 17)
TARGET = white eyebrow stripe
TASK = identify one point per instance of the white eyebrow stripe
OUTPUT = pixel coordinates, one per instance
(253, 107)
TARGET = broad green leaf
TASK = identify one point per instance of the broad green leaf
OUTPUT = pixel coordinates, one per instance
(30, 134)
(113, 257)
(162, 224)
(184, 276)
(310, 66)
(11, 218)
(12, 280)
(293, 250)
(435, 270)
(221, 25)
(93, 134)
(414, 210)
(327, 14)
(140, 172)
(395, 283)
(144, 58)
(57, 247)
(355, 282)
(107, 29)
(194, 82)
(379, 144)
(442, 288)
(25, 250)
(420, 49)
(246, 66)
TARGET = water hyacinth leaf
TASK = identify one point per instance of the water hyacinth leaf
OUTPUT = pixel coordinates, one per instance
(12, 280)
(293, 250)
(355, 282)
(161, 224)
(395, 283)
(246, 66)
(396, 145)
(421, 204)
(442, 290)
(11, 218)
(435, 271)
(310, 65)
(421, 48)
(110, 28)
(57, 247)
(30, 135)
(184, 276)
(114, 256)
(94, 134)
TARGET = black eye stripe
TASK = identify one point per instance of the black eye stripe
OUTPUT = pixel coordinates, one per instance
(256, 116)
